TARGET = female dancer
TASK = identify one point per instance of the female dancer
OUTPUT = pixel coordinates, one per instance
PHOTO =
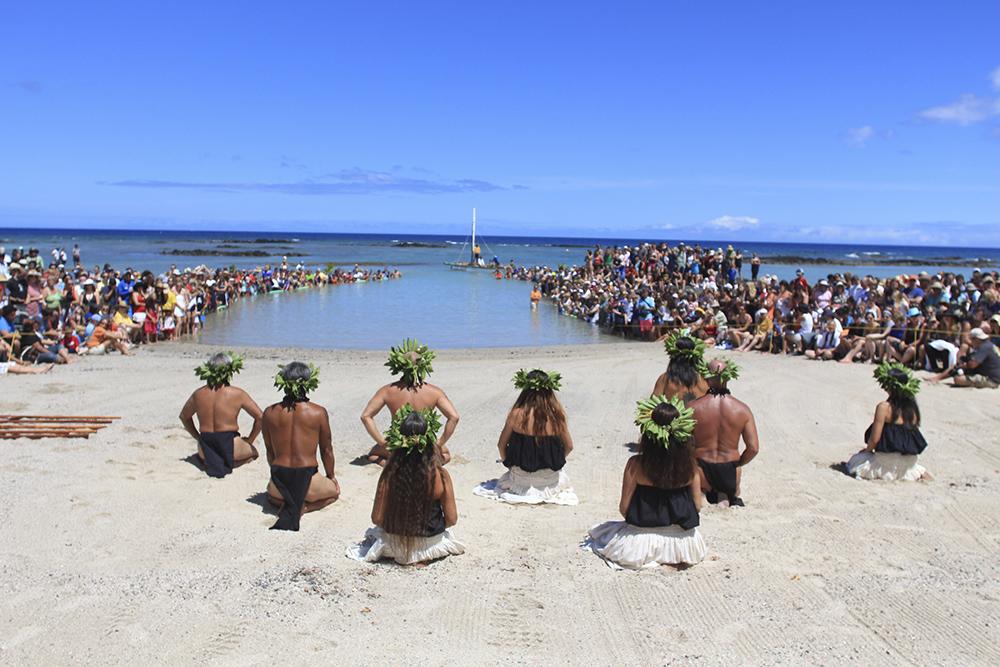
(661, 495)
(415, 500)
(893, 441)
(684, 376)
(533, 446)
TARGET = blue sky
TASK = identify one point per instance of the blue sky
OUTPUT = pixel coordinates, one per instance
(849, 121)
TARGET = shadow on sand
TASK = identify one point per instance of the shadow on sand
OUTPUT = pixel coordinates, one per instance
(195, 461)
(841, 468)
(260, 500)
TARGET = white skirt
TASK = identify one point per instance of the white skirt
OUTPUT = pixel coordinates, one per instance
(885, 466)
(379, 544)
(519, 487)
(622, 545)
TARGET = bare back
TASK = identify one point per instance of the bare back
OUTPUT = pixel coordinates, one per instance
(721, 421)
(670, 389)
(293, 431)
(397, 394)
(218, 409)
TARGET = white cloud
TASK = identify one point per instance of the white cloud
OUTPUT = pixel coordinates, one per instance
(859, 136)
(969, 108)
(734, 222)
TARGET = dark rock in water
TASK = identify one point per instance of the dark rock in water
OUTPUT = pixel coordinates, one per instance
(198, 252)
(418, 244)
(229, 246)
(880, 261)
(257, 241)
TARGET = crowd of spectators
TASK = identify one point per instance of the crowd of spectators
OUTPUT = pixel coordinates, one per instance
(947, 324)
(51, 312)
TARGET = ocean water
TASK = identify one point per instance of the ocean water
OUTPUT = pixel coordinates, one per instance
(435, 304)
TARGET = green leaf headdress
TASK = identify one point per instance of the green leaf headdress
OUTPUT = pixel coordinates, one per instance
(884, 375)
(550, 382)
(696, 355)
(395, 440)
(670, 345)
(679, 430)
(298, 388)
(414, 371)
(219, 374)
(728, 370)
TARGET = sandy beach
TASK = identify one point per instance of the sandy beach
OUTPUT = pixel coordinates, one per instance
(118, 549)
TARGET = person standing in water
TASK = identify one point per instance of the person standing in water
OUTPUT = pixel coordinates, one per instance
(683, 376)
(413, 362)
(293, 430)
(217, 405)
(536, 296)
(721, 421)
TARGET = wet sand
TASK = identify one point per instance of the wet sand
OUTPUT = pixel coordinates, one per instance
(118, 549)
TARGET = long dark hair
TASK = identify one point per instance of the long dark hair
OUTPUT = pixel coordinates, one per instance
(666, 467)
(903, 406)
(543, 407)
(682, 369)
(409, 480)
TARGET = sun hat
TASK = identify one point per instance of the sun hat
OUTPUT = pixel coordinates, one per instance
(937, 285)
(88, 281)
(913, 312)
(978, 334)
(14, 265)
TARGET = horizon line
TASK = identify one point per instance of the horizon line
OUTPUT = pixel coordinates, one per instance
(672, 241)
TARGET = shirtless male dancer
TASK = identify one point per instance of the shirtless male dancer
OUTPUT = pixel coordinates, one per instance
(293, 429)
(721, 421)
(218, 405)
(413, 361)
(683, 377)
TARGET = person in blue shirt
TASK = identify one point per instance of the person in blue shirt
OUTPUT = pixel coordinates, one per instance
(7, 326)
(125, 286)
(913, 290)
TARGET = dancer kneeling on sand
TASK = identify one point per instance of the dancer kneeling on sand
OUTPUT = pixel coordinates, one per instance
(661, 495)
(721, 421)
(218, 405)
(533, 446)
(893, 441)
(412, 361)
(415, 500)
(293, 429)
(683, 377)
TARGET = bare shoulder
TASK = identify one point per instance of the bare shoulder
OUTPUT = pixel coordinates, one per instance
(433, 389)
(740, 405)
(633, 463)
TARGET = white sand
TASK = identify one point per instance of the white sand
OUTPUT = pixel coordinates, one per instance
(118, 550)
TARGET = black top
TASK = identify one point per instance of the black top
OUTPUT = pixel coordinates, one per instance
(652, 507)
(899, 439)
(535, 452)
(435, 520)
